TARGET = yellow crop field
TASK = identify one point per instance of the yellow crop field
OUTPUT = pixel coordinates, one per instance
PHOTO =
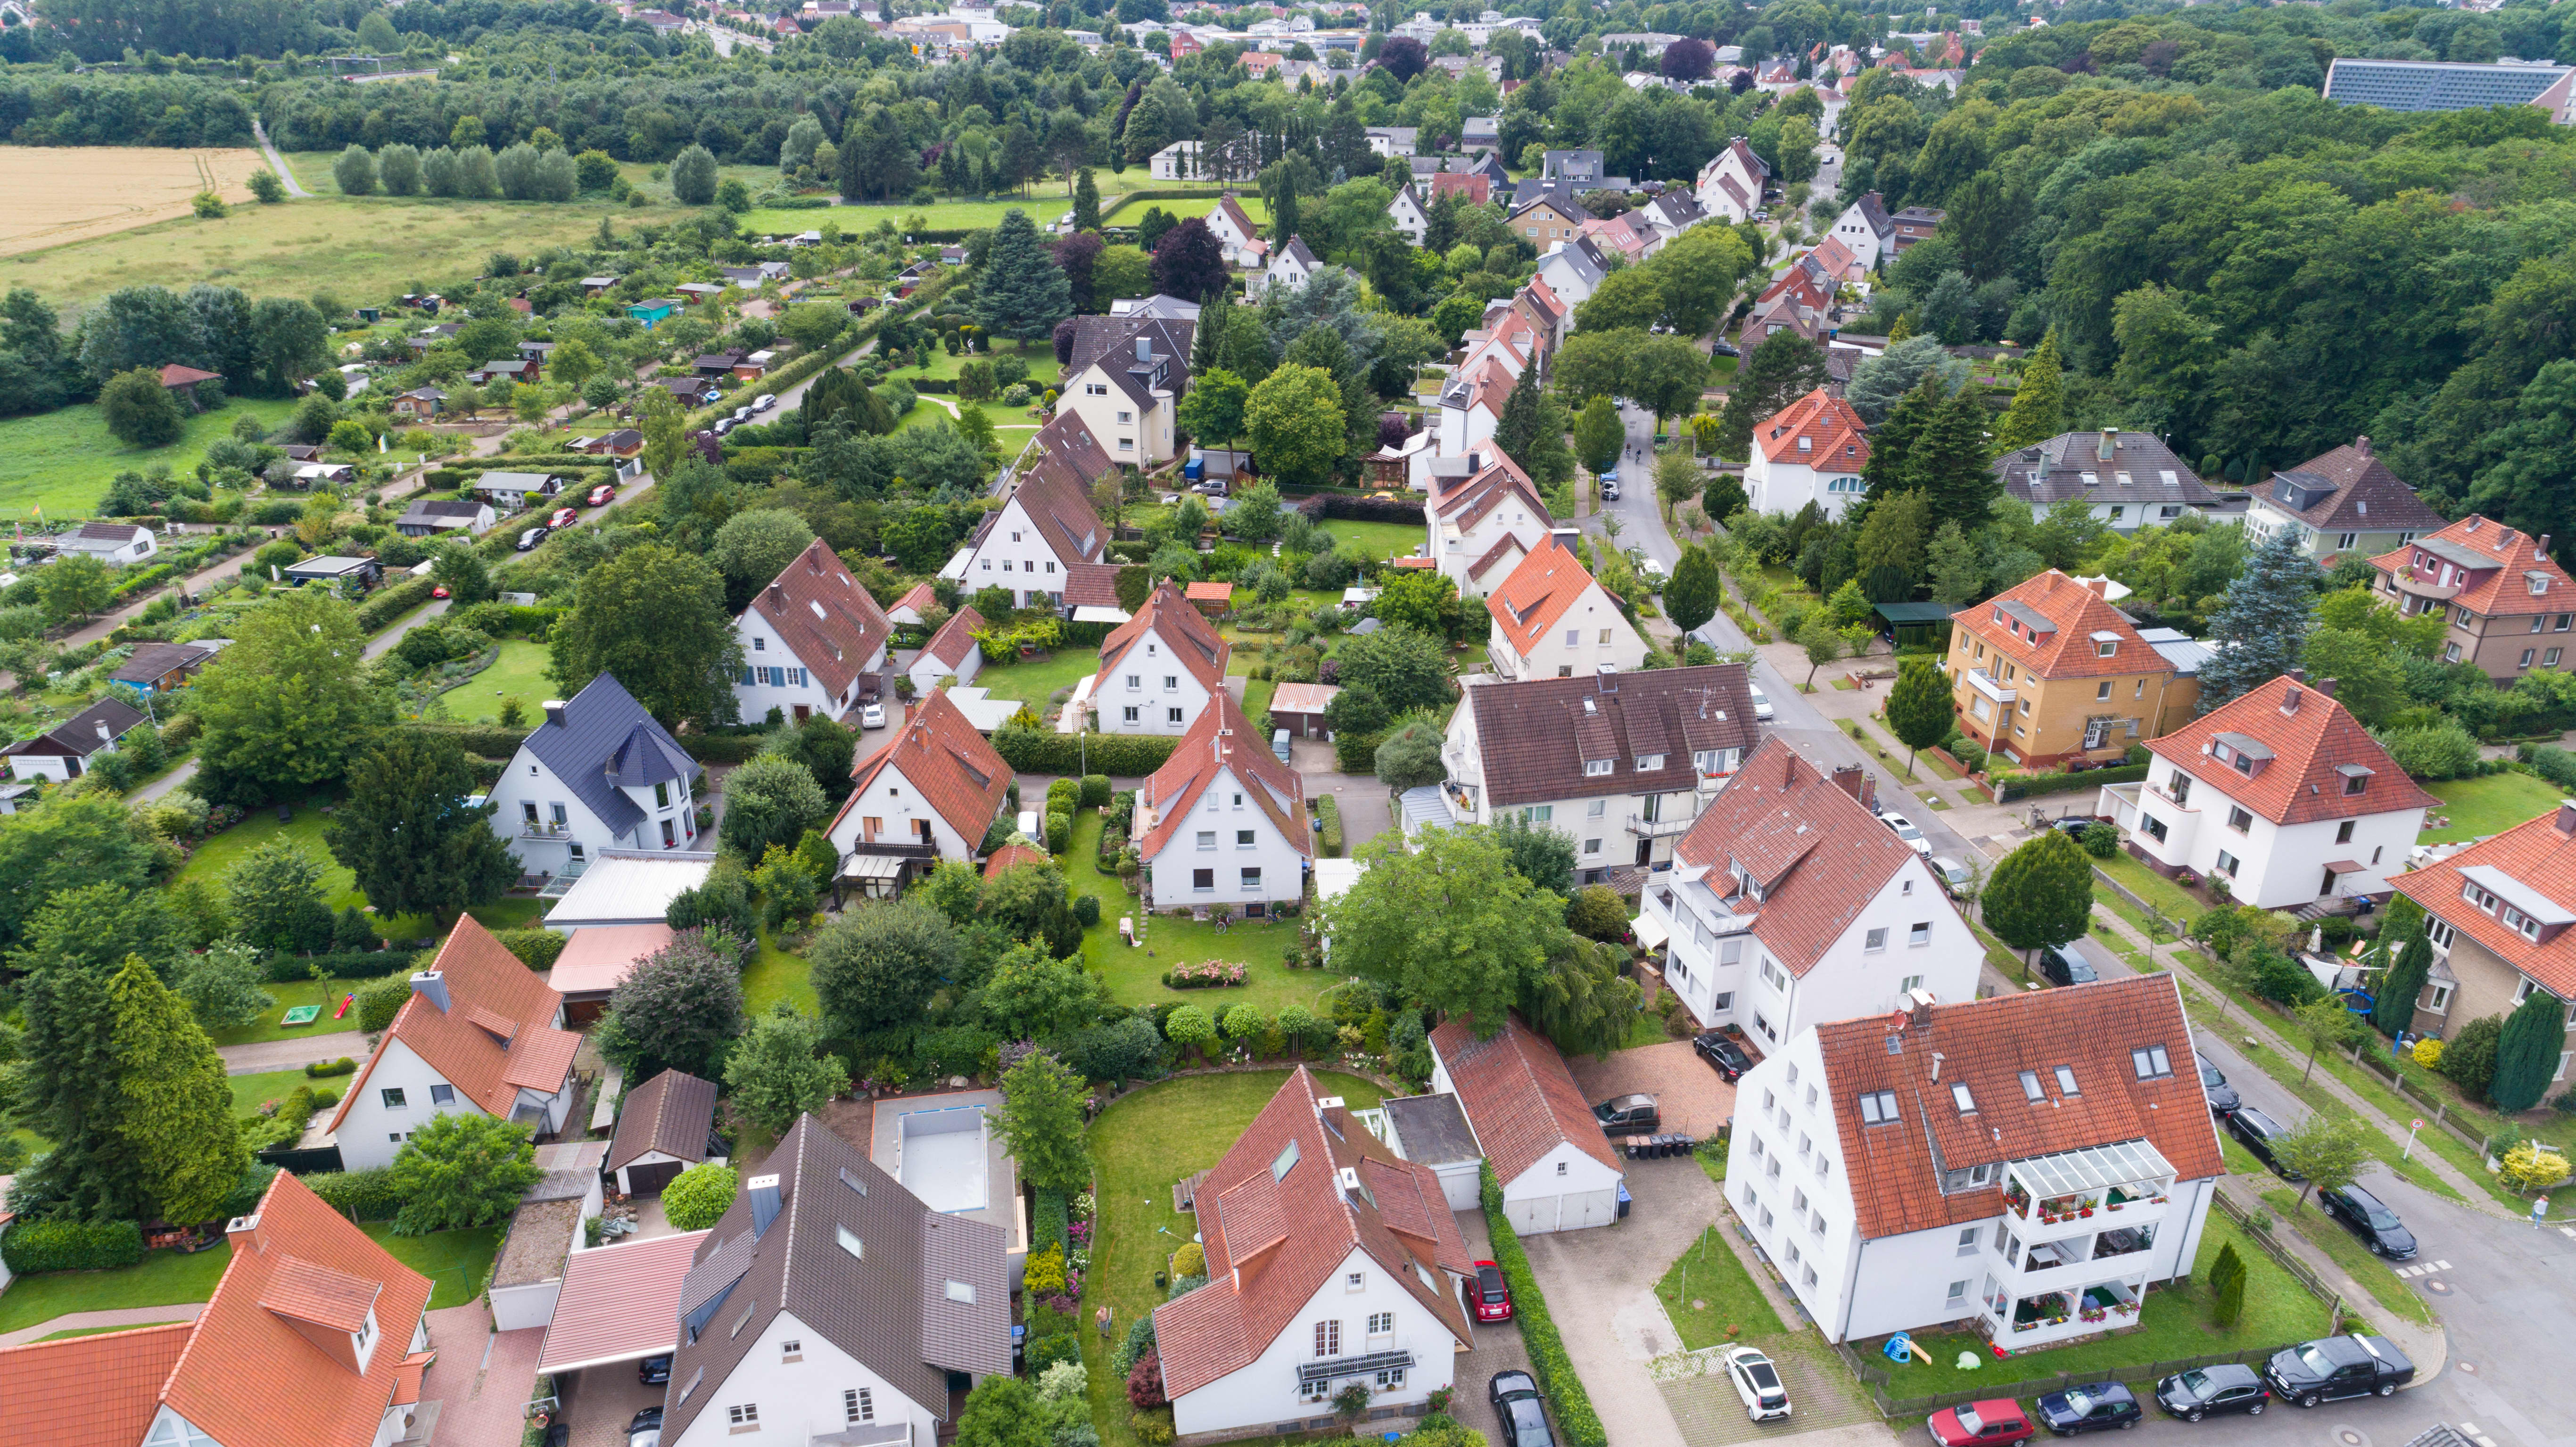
(60, 195)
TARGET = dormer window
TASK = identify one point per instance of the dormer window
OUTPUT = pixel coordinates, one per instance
(1596, 768)
(2105, 650)
(2066, 1080)
(1648, 763)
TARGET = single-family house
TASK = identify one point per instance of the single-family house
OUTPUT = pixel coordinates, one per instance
(1235, 234)
(665, 1126)
(952, 654)
(1483, 133)
(437, 519)
(64, 751)
(624, 442)
(1551, 618)
(1406, 212)
(509, 492)
(115, 544)
(160, 667)
(1573, 270)
(1158, 669)
(910, 609)
(2509, 606)
(1557, 1171)
(1630, 235)
(480, 1034)
(1031, 544)
(1800, 299)
(1813, 450)
(2499, 913)
(1547, 220)
(812, 642)
(1392, 140)
(2343, 501)
(1178, 161)
(1732, 183)
(1914, 223)
(1483, 515)
(1865, 228)
(1222, 824)
(929, 793)
(1125, 378)
(1293, 267)
(2126, 480)
(2049, 671)
(600, 773)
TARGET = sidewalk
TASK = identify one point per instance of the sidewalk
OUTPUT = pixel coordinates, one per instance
(262, 1057)
(2428, 1347)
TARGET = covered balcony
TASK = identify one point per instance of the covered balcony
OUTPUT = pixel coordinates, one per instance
(2079, 1191)
(2059, 1315)
(1983, 682)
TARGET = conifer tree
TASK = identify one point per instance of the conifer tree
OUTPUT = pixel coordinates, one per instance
(1889, 469)
(1949, 461)
(2038, 407)
(172, 1107)
(1086, 201)
(2261, 627)
(2534, 1034)
(1021, 292)
(1690, 599)
(2394, 1008)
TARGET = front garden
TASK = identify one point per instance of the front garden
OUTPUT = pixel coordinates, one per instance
(455, 1262)
(1135, 974)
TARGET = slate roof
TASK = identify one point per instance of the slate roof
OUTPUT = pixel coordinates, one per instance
(2350, 490)
(952, 767)
(1815, 853)
(1535, 735)
(2046, 625)
(77, 736)
(955, 638)
(107, 532)
(670, 1113)
(1583, 258)
(1536, 594)
(496, 1036)
(2539, 857)
(1067, 445)
(1556, 196)
(2481, 544)
(1893, 1171)
(2070, 465)
(1836, 439)
(1232, 210)
(1518, 1095)
(832, 625)
(2313, 740)
(1182, 629)
(150, 662)
(1112, 342)
(1873, 212)
(1222, 741)
(1274, 1239)
(886, 1306)
(605, 731)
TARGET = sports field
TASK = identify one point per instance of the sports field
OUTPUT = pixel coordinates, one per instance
(63, 194)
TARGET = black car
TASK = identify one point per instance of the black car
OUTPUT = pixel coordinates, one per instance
(2258, 1131)
(1722, 1054)
(2370, 1219)
(2074, 825)
(1517, 1409)
(2061, 964)
(654, 1371)
(2332, 1368)
(2093, 1407)
(646, 1429)
(2223, 1099)
(2225, 1388)
(1628, 1115)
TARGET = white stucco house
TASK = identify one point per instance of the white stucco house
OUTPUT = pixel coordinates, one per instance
(1046, 528)
(1293, 267)
(1552, 619)
(952, 652)
(63, 752)
(1812, 450)
(2281, 792)
(599, 773)
(812, 642)
(1573, 270)
(1158, 669)
(1730, 185)
(1557, 1171)
(1483, 515)
(930, 793)
(115, 544)
(1406, 212)
(1125, 381)
(1236, 236)
(1222, 824)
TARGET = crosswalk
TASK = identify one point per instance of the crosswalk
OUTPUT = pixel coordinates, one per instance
(2470, 1431)
(2568, 1231)
(2424, 1268)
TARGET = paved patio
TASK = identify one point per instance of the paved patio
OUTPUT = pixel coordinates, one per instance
(482, 1379)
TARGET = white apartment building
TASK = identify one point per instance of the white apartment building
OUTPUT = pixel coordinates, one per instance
(1551, 619)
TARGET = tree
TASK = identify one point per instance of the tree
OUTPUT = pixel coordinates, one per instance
(1539, 853)
(2038, 410)
(2042, 893)
(1189, 262)
(1086, 201)
(2327, 1149)
(679, 1008)
(775, 1075)
(1517, 432)
(655, 618)
(1213, 410)
(222, 986)
(276, 898)
(1020, 291)
(173, 1107)
(459, 1169)
(289, 704)
(2325, 1020)
(1451, 924)
(2261, 626)
(354, 171)
(1421, 599)
(1403, 57)
(1409, 758)
(1691, 598)
(1580, 1001)
(139, 411)
(698, 1197)
(2393, 1009)
(1778, 371)
(1678, 478)
(70, 842)
(1294, 418)
(1879, 382)
(1666, 375)
(876, 966)
(1599, 434)
(772, 800)
(755, 546)
(76, 587)
(1402, 668)
(693, 176)
(2227, 1287)
(266, 187)
(1698, 273)
(1918, 706)
(1823, 645)
(1630, 299)
(2527, 1053)
(1958, 574)
(406, 832)
(1040, 1119)
(1004, 1411)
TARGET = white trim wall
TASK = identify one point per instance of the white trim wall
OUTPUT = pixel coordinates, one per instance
(1224, 812)
(568, 831)
(2267, 865)
(373, 1130)
(1016, 552)
(1129, 433)
(1263, 1393)
(1150, 680)
(794, 1396)
(1589, 636)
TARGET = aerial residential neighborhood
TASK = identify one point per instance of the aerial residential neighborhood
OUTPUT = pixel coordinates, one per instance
(1151, 725)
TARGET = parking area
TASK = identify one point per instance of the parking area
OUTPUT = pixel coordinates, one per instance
(1692, 1097)
(1498, 1346)
(1704, 1405)
(1600, 1286)
(598, 1402)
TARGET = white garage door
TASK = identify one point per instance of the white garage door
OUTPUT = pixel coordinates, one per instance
(1532, 1215)
(1588, 1208)
(1462, 1187)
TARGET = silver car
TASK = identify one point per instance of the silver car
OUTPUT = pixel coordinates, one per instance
(1761, 701)
(1952, 874)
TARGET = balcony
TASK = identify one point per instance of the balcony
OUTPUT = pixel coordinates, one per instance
(533, 829)
(1983, 682)
(2408, 582)
(2079, 1191)
(1321, 1371)
(1658, 828)
(2052, 1318)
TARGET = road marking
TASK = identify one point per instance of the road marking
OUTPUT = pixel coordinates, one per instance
(2441, 1266)
(2410, 1270)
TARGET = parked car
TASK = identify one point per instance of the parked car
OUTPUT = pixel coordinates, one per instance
(1279, 744)
(872, 716)
(1725, 349)
(741, 415)
(1628, 1115)
(654, 1371)
(2073, 825)
(1766, 1399)
(563, 517)
(764, 401)
(1727, 1057)
(2370, 1219)
(1653, 570)
(2258, 1131)
(601, 496)
(2227, 1387)
(1906, 831)
(646, 1429)
(1953, 875)
(2093, 1407)
(2332, 1368)
(1761, 701)
(723, 426)
(2063, 966)
(1517, 1409)
(1997, 1423)
(2223, 1099)
(439, 591)
(533, 536)
(1491, 1297)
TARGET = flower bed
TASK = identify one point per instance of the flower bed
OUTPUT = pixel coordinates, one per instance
(1214, 974)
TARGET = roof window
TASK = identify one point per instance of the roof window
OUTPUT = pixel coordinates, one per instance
(1960, 1097)
(1877, 1107)
(2031, 1089)
(2152, 1062)
(2066, 1080)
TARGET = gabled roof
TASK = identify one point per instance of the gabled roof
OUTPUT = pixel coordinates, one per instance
(2316, 746)
(953, 767)
(2478, 543)
(77, 736)
(1835, 438)
(1582, 258)
(1279, 1221)
(1297, 251)
(1493, 478)
(1535, 735)
(670, 1113)
(462, 508)
(2071, 465)
(1518, 1095)
(1534, 597)
(1012, 856)
(1873, 213)
(1113, 343)
(1058, 505)
(606, 732)
(955, 638)
(1816, 854)
(91, 1391)
(150, 661)
(2535, 860)
(1182, 629)
(1232, 211)
(2048, 626)
(921, 596)
(175, 375)
(1894, 1169)
(1556, 196)
(832, 625)
(1221, 741)
(887, 1305)
(497, 1035)
(1476, 187)
(108, 532)
(1506, 549)
(1068, 448)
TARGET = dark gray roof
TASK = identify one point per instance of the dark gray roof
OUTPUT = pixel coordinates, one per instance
(598, 739)
(1534, 735)
(1565, 196)
(2141, 469)
(875, 1304)
(2457, 553)
(446, 508)
(151, 661)
(1431, 1129)
(1873, 210)
(671, 1113)
(78, 735)
(1095, 339)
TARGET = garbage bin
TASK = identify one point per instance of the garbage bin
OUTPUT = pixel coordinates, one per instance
(1623, 1200)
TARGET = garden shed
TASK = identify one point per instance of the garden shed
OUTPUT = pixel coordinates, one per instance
(668, 1125)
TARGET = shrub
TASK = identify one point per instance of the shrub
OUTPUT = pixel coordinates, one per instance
(1059, 833)
(2532, 1167)
(536, 948)
(1048, 1225)
(2428, 1053)
(320, 1070)
(1045, 1272)
(1548, 1360)
(2101, 841)
(1214, 974)
(367, 1195)
(1145, 1381)
(1154, 1429)
(379, 1002)
(1190, 1260)
(1138, 1341)
(1047, 1351)
(2469, 1061)
(698, 1197)
(1095, 791)
(285, 969)
(34, 1246)
(1061, 795)
(1086, 910)
(1328, 820)
(1044, 751)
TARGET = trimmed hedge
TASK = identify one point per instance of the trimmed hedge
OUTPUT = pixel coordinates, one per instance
(366, 1195)
(33, 1246)
(2061, 783)
(380, 1001)
(1361, 509)
(1356, 753)
(387, 604)
(1328, 816)
(320, 1070)
(488, 741)
(721, 749)
(286, 969)
(1051, 1224)
(1555, 1370)
(1044, 751)
(1059, 833)
(536, 948)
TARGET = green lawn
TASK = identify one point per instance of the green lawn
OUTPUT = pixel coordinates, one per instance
(1256, 695)
(1709, 1296)
(1141, 1146)
(2169, 898)
(325, 993)
(250, 1090)
(1043, 371)
(945, 216)
(454, 1261)
(2346, 1251)
(775, 975)
(2174, 1323)
(519, 673)
(2480, 807)
(161, 1278)
(61, 461)
(99, 1330)
(216, 857)
(1375, 540)
(1135, 974)
(1035, 683)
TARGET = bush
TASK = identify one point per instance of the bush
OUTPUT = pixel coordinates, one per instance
(2101, 841)
(1044, 751)
(698, 1197)
(321, 1070)
(1095, 791)
(1046, 1351)
(33, 1246)
(1557, 1379)
(1059, 833)
(1215, 974)
(1138, 1341)
(2428, 1053)
(1045, 1272)
(379, 1002)
(1144, 1380)
(390, 603)
(1190, 1260)
(2556, 765)
(536, 948)
(1061, 795)
(1049, 1225)
(1086, 910)
(1328, 821)
(286, 969)
(480, 740)
(2442, 751)
(2469, 1060)
(367, 1195)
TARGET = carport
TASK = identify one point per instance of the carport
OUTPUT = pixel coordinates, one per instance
(619, 1305)
(1917, 623)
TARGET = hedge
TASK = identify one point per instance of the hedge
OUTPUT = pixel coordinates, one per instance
(536, 948)
(387, 604)
(722, 749)
(1050, 1226)
(136, 582)
(2023, 785)
(380, 1000)
(366, 1195)
(1557, 1379)
(1328, 814)
(2554, 764)
(1361, 509)
(1059, 833)
(1044, 751)
(1356, 753)
(286, 969)
(320, 1070)
(33, 1246)
(485, 740)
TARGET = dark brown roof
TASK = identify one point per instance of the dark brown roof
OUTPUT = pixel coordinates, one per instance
(2057, 470)
(77, 736)
(2350, 490)
(1112, 341)
(833, 625)
(670, 1113)
(1058, 506)
(1067, 443)
(1535, 735)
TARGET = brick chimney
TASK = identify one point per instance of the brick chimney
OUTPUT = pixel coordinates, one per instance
(1854, 780)
(2325, 686)
(243, 1233)
(2361, 445)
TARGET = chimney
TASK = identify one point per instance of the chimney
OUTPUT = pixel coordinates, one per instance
(432, 986)
(243, 1233)
(554, 708)
(2297, 675)
(1852, 779)
(2540, 545)
(763, 1193)
(2361, 445)
(105, 739)
(1919, 1009)
(2290, 699)
(1144, 349)
(2565, 823)
(2110, 443)
(2325, 686)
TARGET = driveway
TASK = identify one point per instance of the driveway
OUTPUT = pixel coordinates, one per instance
(1600, 1287)
(480, 1384)
(1498, 1346)
(1694, 1100)
(263, 1056)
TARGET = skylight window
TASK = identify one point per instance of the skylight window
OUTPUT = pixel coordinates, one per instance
(2030, 1086)
(1962, 1098)
(961, 1292)
(850, 1242)
(1287, 1160)
(2152, 1062)
(1877, 1107)
(2066, 1080)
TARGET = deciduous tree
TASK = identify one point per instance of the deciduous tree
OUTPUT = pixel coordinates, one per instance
(655, 619)
(1041, 1120)
(1690, 599)
(459, 1169)
(1451, 924)
(776, 1072)
(2327, 1149)
(139, 411)
(1918, 707)
(876, 966)
(1295, 421)
(289, 704)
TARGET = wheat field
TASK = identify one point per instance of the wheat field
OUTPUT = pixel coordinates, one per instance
(62, 194)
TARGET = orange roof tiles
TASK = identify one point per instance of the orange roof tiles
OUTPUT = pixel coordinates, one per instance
(1182, 629)
(955, 639)
(619, 1303)
(482, 976)
(2538, 855)
(939, 752)
(2312, 740)
(308, 1291)
(831, 623)
(1518, 1095)
(2515, 558)
(1222, 739)
(599, 957)
(1818, 855)
(1536, 594)
(90, 1391)
(2064, 647)
(1819, 430)
(1010, 856)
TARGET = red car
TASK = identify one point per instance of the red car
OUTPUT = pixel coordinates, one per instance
(1487, 1293)
(439, 592)
(562, 519)
(602, 495)
(1981, 1424)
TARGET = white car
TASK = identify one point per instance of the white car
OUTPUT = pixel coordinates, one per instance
(1654, 570)
(1906, 831)
(1761, 701)
(872, 716)
(764, 401)
(1766, 1399)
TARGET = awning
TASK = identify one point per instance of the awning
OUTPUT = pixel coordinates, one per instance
(2346, 866)
(1094, 613)
(872, 866)
(1650, 931)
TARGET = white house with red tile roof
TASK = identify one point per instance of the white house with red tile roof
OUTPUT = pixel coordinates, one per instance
(936, 783)
(1236, 236)
(1557, 1171)
(1730, 185)
(2501, 912)
(315, 1335)
(2281, 792)
(1483, 516)
(1158, 669)
(1331, 1263)
(951, 653)
(910, 609)
(1222, 824)
(2007, 1163)
(1552, 619)
(1809, 451)
(1789, 903)
(1471, 404)
(1041, 532)
(480, 1033)
(812, 641)
(1406, 212)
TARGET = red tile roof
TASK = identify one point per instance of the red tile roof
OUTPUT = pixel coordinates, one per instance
(1011, 856)
(920, 598)
(1472, 184)
(1536, 594)
(1834, 437)
(1181, 629)
(2539, 857)
(1222, 740)
(2311, 740)
(1816, 853)
(2067, 650)
(940, 754)
(89, 1391)
(833, 625)
(1275, 1237)
(482, 976)
(955, 638)
(1895, 1179)
(175, 375)
(1093, 585)
(619, 1303)
(1210, 593)
(1518, 1095)
(2514, 558)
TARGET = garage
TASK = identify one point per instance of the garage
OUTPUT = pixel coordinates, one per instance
(1432, 1130)
(1557, 1171)
(1299, 708)
(666, 1126)
(648, 1180)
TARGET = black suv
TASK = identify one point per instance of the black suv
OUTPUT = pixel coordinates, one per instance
(1722, 1054)
(2223, 1099)
(1516, 1405)
(2370, 1219)
(2332, 1368)
(2258, 1131)
(1628, 1115)
(2062, 965)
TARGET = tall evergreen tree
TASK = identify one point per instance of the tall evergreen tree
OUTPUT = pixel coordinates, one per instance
(1948, 461)
(1207, 345)
(65, 1094)
(406, 832)
(1890, 469)
(2534, 1035)
(1785, 367)
(1283, 217)
(1517, 431)
(173, 1107)
(1598, 434)
(2261, 628)
(2038, 410)
(2041, 894)
(1690, 599)
(2394, 1008)
(1086, 201)
(1021, 292)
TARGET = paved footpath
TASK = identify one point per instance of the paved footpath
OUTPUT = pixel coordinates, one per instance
(126, 1316)
(263, 1056)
